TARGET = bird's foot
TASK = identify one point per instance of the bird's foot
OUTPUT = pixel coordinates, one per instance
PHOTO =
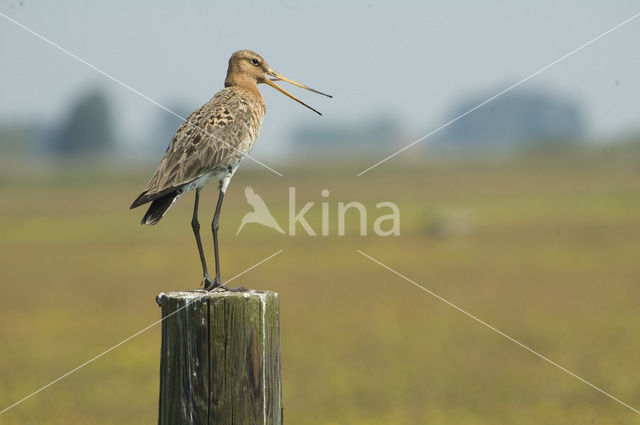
(232, 289)
(211, 284)
(207, 282)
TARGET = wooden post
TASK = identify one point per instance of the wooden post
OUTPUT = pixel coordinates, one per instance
(220, 358)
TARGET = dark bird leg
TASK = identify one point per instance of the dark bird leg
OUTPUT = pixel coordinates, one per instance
(215, 224)
(195, 225)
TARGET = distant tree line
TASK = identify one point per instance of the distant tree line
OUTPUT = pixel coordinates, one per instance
(88, 129)
(375, 133)
(522, 118)
(516, 120)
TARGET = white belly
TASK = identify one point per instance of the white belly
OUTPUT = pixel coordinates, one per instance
(221, 177)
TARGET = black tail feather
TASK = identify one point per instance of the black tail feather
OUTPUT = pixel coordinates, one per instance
(158, 207)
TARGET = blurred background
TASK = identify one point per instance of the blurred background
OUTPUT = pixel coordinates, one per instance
(524, 212)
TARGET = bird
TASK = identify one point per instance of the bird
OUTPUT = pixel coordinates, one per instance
(260, 213)
(209, 146)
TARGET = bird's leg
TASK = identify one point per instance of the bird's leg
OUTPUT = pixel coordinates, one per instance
(195, 225)
(215, 224)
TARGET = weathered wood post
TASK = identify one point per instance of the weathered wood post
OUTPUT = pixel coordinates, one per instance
(220, 358)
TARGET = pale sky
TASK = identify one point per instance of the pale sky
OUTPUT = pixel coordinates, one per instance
(414, 60)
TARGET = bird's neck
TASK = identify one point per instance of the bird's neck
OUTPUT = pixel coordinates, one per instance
(244, 83)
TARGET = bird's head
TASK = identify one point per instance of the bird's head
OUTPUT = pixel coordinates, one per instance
(247, 67)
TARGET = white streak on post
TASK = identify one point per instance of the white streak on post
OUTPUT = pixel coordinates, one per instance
(263, 299)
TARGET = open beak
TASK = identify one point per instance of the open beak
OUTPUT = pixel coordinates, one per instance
(279, 77)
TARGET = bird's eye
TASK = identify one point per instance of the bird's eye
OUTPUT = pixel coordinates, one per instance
(255, 61)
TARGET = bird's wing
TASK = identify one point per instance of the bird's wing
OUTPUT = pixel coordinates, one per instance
(211, 138)
(255, 200)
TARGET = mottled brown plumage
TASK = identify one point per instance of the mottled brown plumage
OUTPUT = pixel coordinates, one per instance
(212, 141)
(210, 145)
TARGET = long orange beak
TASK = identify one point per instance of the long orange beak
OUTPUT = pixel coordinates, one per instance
(288, 80)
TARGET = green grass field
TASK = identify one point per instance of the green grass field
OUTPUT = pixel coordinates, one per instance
(545, 248)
